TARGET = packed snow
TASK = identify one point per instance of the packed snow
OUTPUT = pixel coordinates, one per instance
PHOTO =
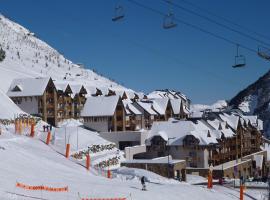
(32, 162)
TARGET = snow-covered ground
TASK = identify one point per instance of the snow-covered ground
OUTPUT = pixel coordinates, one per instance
(30, 161)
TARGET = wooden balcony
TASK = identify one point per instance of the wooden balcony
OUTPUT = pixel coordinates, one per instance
(50, 105)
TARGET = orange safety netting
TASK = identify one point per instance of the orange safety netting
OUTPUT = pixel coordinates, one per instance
(41, 187)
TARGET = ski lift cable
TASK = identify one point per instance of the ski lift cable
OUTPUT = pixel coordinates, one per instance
(226, 19)
(194, 26)
(216, 22)
(158, 52)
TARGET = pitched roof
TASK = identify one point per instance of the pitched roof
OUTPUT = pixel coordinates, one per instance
(180, 129)
(147, 106)
(176, 104)
(130, 108)
(100, 106)
(160, 105)
(232, 120)
(60, 86)
(28, 87)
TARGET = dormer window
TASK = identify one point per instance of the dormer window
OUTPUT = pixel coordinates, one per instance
(17, 88)
(219, 127)
(208, 134)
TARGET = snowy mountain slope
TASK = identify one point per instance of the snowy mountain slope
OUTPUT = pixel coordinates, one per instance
(32, 162)
(28, 56)
(7, 107)
(255, 99)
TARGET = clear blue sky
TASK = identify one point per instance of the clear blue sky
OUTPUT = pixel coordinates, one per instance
(141, 55)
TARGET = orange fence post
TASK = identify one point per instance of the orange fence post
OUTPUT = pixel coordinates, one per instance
(67, 150)
(48, 138)
(20, 126)
(24, 123)
(16, 126)
(87, 161)
(109, 174)
(241, 192)
(209, 180)
(32, 133)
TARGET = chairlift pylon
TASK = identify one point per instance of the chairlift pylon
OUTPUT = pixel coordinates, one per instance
(168, 22)
(240, 60)
(118, 13)
(264, 52)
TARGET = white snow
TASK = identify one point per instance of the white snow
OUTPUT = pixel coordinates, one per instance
(249, 104)
(32, 162)
(100, 106)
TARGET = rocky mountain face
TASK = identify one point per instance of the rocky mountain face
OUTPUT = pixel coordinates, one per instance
(255, 99)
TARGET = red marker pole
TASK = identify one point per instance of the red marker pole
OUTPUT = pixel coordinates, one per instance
(67, 150)
(241, 192)
(32, 134)
(109, 174)
(88, 162)
(48, 138)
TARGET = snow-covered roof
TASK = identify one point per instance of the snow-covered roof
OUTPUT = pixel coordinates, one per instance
(147, 106)
(160, 105)
(76, 88)
(60, 86)
(178, 130)
(24, 87)
(222, 127)
(176, 104)
(104, 90)
(91, 90)
(232, 120)
(141, 95)
(100, 106)
(171, 94)
(130, 108)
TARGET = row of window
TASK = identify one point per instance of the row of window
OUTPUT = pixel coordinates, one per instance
(96, 119)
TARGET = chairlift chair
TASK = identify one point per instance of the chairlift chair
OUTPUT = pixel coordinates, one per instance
(240, 60)
(118, 13)
(264, 52)
(168, 22)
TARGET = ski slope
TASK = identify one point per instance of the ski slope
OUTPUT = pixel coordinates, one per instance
(30, 161)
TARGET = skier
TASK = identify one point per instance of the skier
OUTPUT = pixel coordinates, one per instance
(143, 179)
(43, 128)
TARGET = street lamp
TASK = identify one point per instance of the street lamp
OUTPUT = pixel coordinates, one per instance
(170, 138)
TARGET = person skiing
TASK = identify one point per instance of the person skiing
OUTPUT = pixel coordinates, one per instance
(143, 179)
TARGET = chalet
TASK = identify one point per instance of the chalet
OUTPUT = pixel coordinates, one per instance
(159, 109)
(149, 113)
(179, 109)
(65, 108)
(123, 93)
(36, 96)
(104, 114)
(171, 94)
(134, 118)
(217, 139)
(79, 93)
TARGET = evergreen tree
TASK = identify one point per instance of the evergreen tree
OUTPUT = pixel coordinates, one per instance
(2, 55)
